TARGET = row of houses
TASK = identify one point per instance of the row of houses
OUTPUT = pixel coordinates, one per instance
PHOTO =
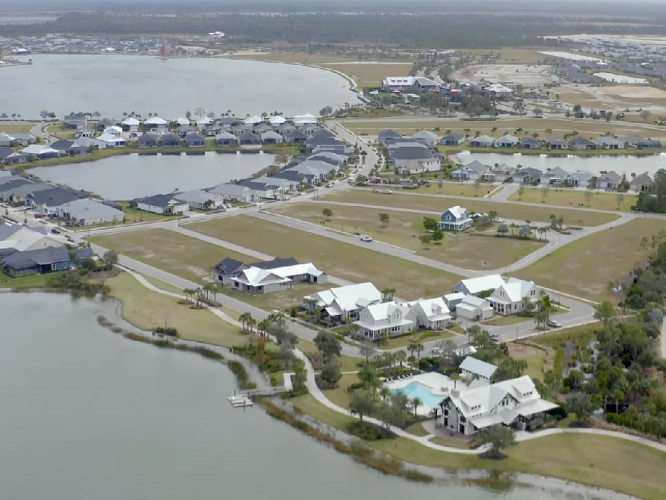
(411, 155)
(557, 176)
(553, 143)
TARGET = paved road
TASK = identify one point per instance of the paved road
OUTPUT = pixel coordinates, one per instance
(371, 157)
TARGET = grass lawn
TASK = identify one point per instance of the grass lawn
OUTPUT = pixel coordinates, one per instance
(586, 459)
(586, 267)
(534, 356)
(571, 198)
(181, 255)
(405, 228)
(146, 309)
(347, 363)
(33, 281)
(370, 74)
(132, 216)
(17, 128)
(395, 343)
(284, 299)
(514, 211)
(511, 319)
(336, 258)
(509, 55)
(417, 429)
(451, 442)
(341, 395)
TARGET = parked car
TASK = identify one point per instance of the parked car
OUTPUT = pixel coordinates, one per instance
(329, 185)
(55, 231)
(494, 337)
(499, 219)
(366, 238)
(436, 351)
(39, 216)
(554, 324)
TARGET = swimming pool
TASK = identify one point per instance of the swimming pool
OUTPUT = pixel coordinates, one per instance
(423, 392)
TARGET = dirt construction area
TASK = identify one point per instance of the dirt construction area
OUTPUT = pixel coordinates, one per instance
(521, 74)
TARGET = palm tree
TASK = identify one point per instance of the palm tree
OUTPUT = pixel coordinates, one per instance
(263, 327)
(385, 393)
(416, 402)
(455, 376)
(401, 356)
(412, 347)
(251, 323)
(419, 348)
(243, 318)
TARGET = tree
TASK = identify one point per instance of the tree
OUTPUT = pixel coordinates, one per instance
(326, 111)
(245, 320)
(361, 404)
(430, 223)
(604, 312)
(502, 229)
(581, 405)
(521, 191)
(368, 351)
(299, 377)
(331, 374)
(544, 194)
(619, 198)
(645, 114)
(384, 219)
(416, 402)
(388, 294)
(437, 234)
(425, 239)
(588, 196)
(110, 259)
(327, 212)
(477, 185)
(368, 377)
(328, 345)
(498, 438)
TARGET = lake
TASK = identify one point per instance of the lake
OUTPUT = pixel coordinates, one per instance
(89, 414)
(126, 177)
(622, 164)
(117, 84)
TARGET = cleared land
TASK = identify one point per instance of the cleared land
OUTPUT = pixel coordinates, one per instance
(559, 126)
(587, 266)
(509, 55)
(292, 57)
(370, 74)
(521, 74)
(146, 309)
(338, 259)
(571, 198)
(404, 230)
(17, 128)
(581, 458)
(513, 211)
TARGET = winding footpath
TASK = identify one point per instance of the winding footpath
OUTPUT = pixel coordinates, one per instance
(317, 393)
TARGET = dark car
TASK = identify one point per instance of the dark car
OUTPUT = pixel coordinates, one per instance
(55, 231)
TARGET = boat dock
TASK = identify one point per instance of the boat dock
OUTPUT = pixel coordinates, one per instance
(244, 398)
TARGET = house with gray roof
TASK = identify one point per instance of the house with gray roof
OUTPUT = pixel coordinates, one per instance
(388, 136)
(530, 143)
(24, 139)
(499, 173)
(79, 147)
(607, 142)
(47, 201)
(248, 139)
(507, 141)
(147, 141)
(580, 143)
(61, 145)
(527, 176)
(165, 204)
(170, 141)
(200, 200)
(303, 179)
(472, 171)
(195, 140)
(579, 179)
(309, 128)
(47, 260)
(87, 212)
(4, 153)
(452, 140)
(18, 190)
(483, 141)
(294, 136)
(271, 137)
(426, 137)
(74, 121)
(279, 183)
(225, 139)
(553, 177)
(16, 158)
(642, 182)
(235, 192)
(609, 181)
(261, 128)
(557, 143)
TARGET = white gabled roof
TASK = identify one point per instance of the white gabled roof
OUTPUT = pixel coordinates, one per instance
(483, 283)
(457, 211)
(255, 276)
(252, 120)
(471, 302)
(348, 297)
(478, 367)
(277, 120)
(156, 120)
(110, 138)
(130, 121)
(182, 121)
(483, 138)
(6, 137)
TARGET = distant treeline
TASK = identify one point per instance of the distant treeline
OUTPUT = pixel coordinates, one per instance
(434, 30)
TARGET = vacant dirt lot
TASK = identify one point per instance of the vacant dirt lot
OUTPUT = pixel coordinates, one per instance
(523, 74)
(370, 74)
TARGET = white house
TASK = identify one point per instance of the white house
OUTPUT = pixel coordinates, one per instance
(112, 140)
(579, 179)
(506, 141)
(130, 124)
(609, 181)
(472, 368)
(455, 219)
(474, 308)
(475, 286)
(430, 314)
(553, 176)
(257, 280)
(511, 297)
(343, 302)
(426, 137)
(87, 212)
(388, 317)
(201, 200)
(472, 171)
(453, 299)
(483, 141)
(419, 166)
(165, 204)
(642, 182)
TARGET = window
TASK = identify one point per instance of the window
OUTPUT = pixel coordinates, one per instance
(53, 267)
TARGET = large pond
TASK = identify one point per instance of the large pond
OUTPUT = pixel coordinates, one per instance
(624, 164)
(117, 84)
(89, 414)
(132, 176)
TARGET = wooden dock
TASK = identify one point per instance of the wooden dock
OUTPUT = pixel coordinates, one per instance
(244, 398)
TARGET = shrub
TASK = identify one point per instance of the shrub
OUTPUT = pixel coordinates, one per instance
(559, 413)
(426, 335)
(368, 431)
(535, 424)
(166, 330)
(274, 365)
(274, 381)
(355, 386)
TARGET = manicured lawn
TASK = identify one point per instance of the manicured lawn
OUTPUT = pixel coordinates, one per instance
(310, 406)
(404, 230)
(396, 343)
(451, 442)
(181, 255)
(370, 74)
(454, 189)
(535, 358)
(509, 55)
(336, 258)
(571, 198)
(132, 216)
(512, 319)
(284, 299)
(147, 309)
(33, 281)
(417, 429)
(439, 204)
(587, 266)
(17, 128)
(341, 395)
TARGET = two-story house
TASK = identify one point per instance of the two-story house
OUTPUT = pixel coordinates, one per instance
(341, 303)
(430, 314)
(455, 219)
(388, 317)
(513, 296)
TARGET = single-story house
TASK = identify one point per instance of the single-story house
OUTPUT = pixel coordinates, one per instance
(609, 181)
(19, 238)
(252, 120)
(248, 139)
(343, 302)
(41, 152)
(527, 175)
(147, 141)
(483, 285)
(195, 141)
(388, 318)
(155, 122)
(581, 143)
(228, 268)
(74, 121)
(47, 201)
(4, 153)
(455, 219)
(483, 141)
(271, 137)
(61, 146)
(419, 166)
(556, 143)
(277, 120)
(6, 140)
(472, 368)
(80, 146)
(425, 137)
(170, 141)
(43, 261)
(104, 123)
(130, 124)
(23, 139)
(474, 308)
(165, 204)
(452, 140)
(84, 132)
(579, 179)
(294, 136)
(258, 280)
(472, 171)
(112, 140)
(507, 141)
(236, 192)
(16, 158)
(199, 199)
(553, 177)
(388, 136)
(606, 142)
(511, 297)
(87, 212)
(499, 173)
(642, 182)
(225, 139)
(530, 143)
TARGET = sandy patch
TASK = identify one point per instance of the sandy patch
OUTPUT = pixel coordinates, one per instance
(522, 74)
(634, 92)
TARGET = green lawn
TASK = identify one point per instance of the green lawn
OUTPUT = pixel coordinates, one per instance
(451, 442)
(16, 128)
(404, 229)
(515, 211)
(25, 282)
(417, 429)
(587, 266)
(336, 258)
(347, 363)
(397, 342)
(341, 395)
(512, 319)
(571, 198)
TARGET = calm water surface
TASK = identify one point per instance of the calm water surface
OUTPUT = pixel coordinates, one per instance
(625, 164)
(89, 414)
(132, 176)
(114, 84)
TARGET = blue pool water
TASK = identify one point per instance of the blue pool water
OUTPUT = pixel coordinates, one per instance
(424, 393)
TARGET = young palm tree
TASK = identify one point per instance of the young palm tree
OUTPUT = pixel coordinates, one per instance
(416, 402)
(385, 393)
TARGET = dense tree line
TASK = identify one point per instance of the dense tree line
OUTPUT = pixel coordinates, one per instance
(436, 30)
(654, 200)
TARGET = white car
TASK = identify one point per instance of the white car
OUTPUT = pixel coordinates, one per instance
(499, 219)
(366, 238)
(436, 351)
